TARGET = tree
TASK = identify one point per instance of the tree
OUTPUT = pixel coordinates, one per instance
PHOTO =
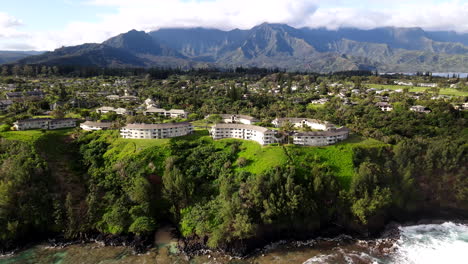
(177, 188)
(241, 162)
(28, 70)
(5, 71)
(142, 225)
(16, 70)
(58, 113)
(287, 126)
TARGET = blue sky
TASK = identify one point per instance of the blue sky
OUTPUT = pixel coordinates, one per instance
(49, 24)
(52, 14)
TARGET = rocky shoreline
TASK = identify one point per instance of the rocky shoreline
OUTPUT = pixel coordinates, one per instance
(380, 243)
(139, 244)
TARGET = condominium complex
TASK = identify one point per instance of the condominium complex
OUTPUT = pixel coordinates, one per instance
(243, 119)
(44, 123)
(156, 131)
(94, 126)
(259, 134)
(119, 111)
(302, 122)
(320, 138)
(173, 113)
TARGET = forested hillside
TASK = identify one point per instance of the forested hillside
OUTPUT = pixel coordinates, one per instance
(231, 194)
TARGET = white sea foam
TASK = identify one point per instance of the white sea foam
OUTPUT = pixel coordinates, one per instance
(444, 243)
(421, 244)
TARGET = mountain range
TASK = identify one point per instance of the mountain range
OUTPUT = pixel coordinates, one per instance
(386, 49)
(11, 56)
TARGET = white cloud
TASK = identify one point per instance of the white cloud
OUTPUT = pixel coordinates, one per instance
(9, 25)
(229, 14)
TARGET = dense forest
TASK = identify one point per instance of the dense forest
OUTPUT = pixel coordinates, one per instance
(78, 184)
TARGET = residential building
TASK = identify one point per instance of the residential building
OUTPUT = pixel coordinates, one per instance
(94, 126)
(5, 104)
(155, 111)
(320, 138)
(235, 118)
(320, 101)
(259, 134)
(119, 111)
(177, 113)
(150, 103)
(128, 98)
(156, 131)
(44, 123)
(173, 113)
(432, 85)
(420, 109)
(62, 123)
(384, 106)
(302, 122)
(403, 83)
(29, 95)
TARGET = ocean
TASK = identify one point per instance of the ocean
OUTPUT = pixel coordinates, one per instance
(418, 244)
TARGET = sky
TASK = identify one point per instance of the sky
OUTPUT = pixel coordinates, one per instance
(50, 24)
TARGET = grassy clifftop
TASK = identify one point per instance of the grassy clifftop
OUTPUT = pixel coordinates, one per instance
(257, 158)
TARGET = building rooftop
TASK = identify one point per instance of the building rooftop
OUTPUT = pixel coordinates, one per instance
(45, 119)
(336, 132)
(156, 126)
(226, 116)
(97, 124)
(300, 119)
(242, 126)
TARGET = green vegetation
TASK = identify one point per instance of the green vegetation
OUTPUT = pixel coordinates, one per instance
(227, 192)
(442, 91)
(26, 136)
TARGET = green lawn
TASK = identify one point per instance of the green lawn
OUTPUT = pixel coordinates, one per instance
(42, 116)
(339, 156)
(443, 91)
(315, 106)
(259, 158)
(32, 135)
(27, 136)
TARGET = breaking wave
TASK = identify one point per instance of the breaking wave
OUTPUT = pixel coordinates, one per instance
(420, 244)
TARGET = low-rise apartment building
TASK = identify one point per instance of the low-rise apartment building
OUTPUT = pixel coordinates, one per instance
(156, 131)
(302, 122)
(94, 126)
(420, 109)
(119, 111)
(173, 113)
(384, 106)
(243, 119)
(44, 123)
(5, 104)
(320, 138)
(259, 134)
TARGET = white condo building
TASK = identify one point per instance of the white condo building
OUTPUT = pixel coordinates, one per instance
(173, 113)
(301, 122)
(320, 138)
(94, 126)
(259, 134)
(243, 119)
(119, 111)
(44, 123)
(156, 131)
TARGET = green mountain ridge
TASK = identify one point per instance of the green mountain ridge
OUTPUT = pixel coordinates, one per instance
(272, 46)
